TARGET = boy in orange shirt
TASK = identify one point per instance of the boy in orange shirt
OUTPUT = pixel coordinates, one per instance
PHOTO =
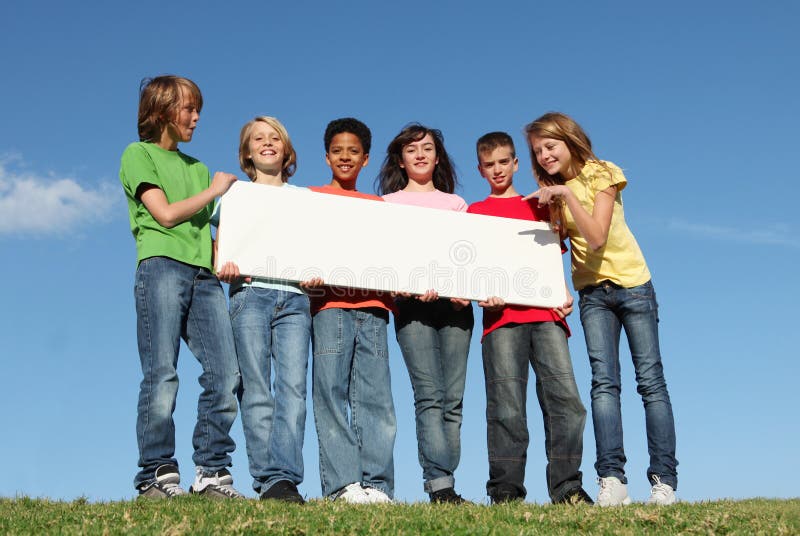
(353, 406)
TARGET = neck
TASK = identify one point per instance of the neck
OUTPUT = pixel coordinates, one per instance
(508, 192)
(343, 185)
(270, 177)
(417, 185)
(167, 141)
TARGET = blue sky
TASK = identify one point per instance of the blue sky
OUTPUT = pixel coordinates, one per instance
(696, 101)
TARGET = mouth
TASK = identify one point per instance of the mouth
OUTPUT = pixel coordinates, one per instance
(268, 152)
(345, 167)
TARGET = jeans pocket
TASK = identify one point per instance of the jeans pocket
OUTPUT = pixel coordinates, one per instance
(238, 301)
(326, 333)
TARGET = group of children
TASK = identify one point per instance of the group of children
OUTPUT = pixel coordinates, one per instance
(269, 323)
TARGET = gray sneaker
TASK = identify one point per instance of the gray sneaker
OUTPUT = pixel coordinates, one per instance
(165, 486)
(218, 485)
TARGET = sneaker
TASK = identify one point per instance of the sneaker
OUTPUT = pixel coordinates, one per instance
(661, 494)
(575, 496)
(446, 496)
(612, 492)
(165, 486)
(376, 496)
(352, 494)
(283, 490)
(216, 486)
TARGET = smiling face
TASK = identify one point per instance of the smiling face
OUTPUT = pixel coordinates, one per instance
(498, 167)
(419, 159)
(553, 155)
(346, 157)
(266, 149)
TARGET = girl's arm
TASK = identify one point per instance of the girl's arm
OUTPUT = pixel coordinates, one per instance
(593, 227)
(171, 214)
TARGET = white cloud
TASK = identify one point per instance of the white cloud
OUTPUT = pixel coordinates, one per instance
(48, 204)
(775, 234)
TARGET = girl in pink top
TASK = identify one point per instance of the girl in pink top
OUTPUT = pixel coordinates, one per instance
(434, 334)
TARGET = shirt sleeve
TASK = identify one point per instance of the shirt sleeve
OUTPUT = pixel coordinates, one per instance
(137, 169)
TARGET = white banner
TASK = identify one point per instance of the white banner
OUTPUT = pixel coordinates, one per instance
(295, 234)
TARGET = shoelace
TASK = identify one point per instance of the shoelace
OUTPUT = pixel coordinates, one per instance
(172, 489)
(659, 490)
(605, 488)
(226, 488)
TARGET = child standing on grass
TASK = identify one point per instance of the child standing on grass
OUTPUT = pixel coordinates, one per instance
(514, 336)
(434, 334)
(352, 390)
(610, 273)
(271, 323)
(170, 199)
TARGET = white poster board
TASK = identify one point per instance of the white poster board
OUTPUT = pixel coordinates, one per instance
(296, 234)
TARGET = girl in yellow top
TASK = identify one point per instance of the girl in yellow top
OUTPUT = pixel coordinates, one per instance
(611, 276)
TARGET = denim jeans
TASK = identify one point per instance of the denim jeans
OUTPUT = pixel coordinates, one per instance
(605, 309)
(174, 301)
(272, 326)
(352, 392)
(434, 339)
(507, 351)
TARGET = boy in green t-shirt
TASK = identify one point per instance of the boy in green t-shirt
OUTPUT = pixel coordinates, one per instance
(170, 198)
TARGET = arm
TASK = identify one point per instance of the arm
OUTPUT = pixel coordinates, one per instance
(171, 214)
(593, 227)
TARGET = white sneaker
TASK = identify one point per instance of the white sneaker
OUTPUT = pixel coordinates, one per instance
(353, 494)
(376, 496)
(217, 486)
(612, 492)
(661, 494)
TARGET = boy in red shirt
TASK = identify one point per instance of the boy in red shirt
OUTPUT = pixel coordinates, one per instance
(513, 336)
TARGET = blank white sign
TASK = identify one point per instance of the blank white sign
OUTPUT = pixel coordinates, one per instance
(296, 234)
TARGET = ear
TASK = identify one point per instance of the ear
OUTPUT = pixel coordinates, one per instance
(366, 160)
(327, 159)
(516, 164)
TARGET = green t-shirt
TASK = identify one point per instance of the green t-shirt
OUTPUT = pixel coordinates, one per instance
(179, 176)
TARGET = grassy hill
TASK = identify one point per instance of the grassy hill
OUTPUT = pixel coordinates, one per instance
(195, 515)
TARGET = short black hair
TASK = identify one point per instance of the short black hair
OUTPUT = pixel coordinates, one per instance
(352, 126)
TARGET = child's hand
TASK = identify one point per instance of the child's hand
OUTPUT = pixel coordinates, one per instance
(458, 303)
(548, 194)
(221, 182)
(492, 303)
(314, 282)
(565, 309)
(230, 273)
(429, 296)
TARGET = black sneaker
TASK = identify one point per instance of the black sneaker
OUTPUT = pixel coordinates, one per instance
(283, 490)
(446, 495)
(165, 486)
(216, 486)
(506, 495)
(575, 496)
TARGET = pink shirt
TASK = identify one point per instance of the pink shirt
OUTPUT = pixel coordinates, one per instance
(433, 199)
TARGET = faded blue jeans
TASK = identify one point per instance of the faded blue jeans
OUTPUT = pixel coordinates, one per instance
(272, 326)
(605, 309)
(507, 351)
(434, 339)
(353, 406)
(173, 301)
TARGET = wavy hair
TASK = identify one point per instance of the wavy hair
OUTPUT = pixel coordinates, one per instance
(289, 165)
(392, 176)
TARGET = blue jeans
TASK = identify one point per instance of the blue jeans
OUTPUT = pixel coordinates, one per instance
(352, 392)
(272, 325)
(605, 309)
(174, 301)
(506, 353)
(434, 339)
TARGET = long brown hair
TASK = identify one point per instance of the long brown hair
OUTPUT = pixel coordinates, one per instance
(159, 99)
(561, 127)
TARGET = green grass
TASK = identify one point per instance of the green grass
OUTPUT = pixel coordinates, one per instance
(196, 515)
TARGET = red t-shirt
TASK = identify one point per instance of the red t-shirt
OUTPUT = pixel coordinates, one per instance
(343, 297)
(514, 207)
